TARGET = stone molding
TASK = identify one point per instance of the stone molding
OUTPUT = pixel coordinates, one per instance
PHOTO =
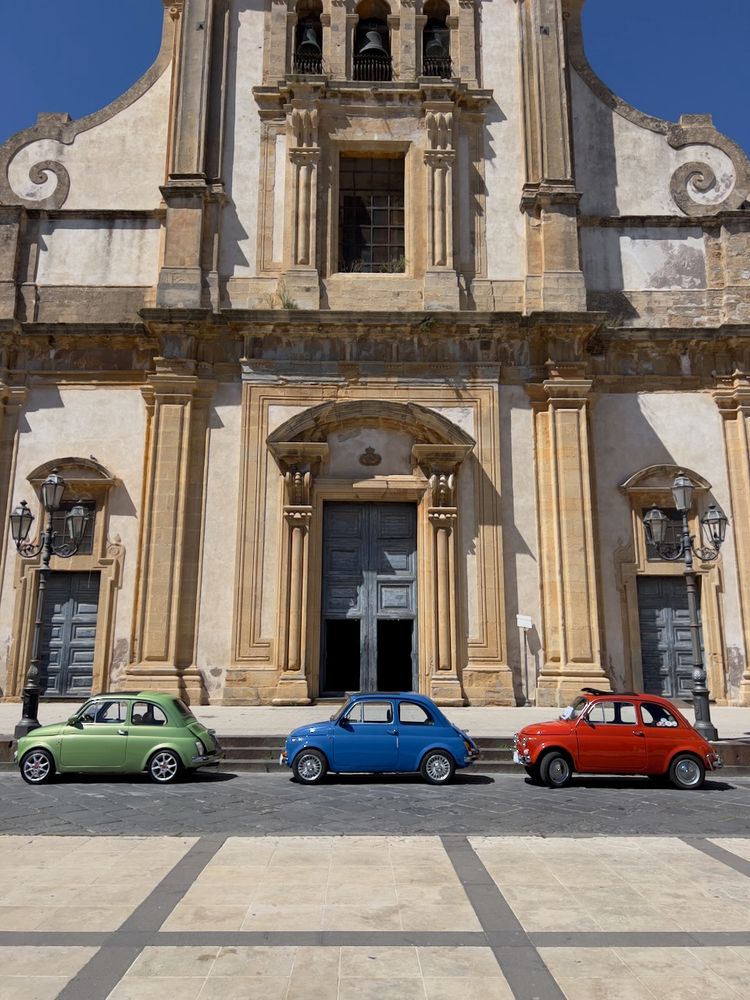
(60, 128)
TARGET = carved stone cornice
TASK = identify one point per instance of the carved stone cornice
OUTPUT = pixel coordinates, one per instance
(440, 459)
(732, 395)
(301, 156)
(547, 193)
(298, 456)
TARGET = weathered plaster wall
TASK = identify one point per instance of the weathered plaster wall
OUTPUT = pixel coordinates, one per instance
(240, 220)
(630, 433)
(220, 534)
(663, 258)
(519, 528)
(118, 164)
(109, 252)
(624, 169)
(503, 148)
(83, 422)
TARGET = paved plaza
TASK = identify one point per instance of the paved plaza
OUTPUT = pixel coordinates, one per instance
(338, 918)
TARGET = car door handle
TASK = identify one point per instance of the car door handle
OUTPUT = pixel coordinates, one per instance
(122, 732)
(638, 732)
(393, 732)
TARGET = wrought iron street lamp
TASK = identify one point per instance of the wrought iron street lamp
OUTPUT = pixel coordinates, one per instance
(713, 531)
(21, 519)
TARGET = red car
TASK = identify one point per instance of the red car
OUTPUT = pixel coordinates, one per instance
(606, 733)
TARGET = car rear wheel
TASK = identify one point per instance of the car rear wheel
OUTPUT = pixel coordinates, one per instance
(164, 767)
(438, 767)
(37, 767)
(310, 767)
(555, 770)
(687, 772)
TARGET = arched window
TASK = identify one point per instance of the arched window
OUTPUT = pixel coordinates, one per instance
(372, 43)
(308, 38)
(436, 46)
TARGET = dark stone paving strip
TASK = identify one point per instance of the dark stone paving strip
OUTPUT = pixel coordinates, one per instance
(719, 854)
(105, 969)
(527, 975)
(640, 939)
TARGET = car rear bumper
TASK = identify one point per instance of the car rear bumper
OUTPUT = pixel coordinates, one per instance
(211, 759)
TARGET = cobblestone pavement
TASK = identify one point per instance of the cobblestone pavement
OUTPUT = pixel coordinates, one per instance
(359, 918)
(263, 804)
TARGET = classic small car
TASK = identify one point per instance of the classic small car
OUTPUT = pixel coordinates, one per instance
(606, 733)
(124, 733)
(377, 733)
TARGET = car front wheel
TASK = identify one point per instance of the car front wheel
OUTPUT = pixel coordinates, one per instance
(438, 767)
(687, 772)
(164, 767)
(310, 767)
(555, 770)
(37, 767)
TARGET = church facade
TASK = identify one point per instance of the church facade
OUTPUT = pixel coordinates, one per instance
(367, 331)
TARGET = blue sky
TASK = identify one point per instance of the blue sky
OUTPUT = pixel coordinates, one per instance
(666, 57)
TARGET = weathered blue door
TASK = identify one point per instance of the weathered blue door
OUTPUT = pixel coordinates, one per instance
(369, 597)
(666, 650)
(68, 634)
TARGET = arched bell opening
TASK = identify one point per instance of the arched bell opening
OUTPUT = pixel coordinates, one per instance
(308, 38)
(436, 46)
(372, 42)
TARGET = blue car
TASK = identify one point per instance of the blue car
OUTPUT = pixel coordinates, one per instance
(403, 733)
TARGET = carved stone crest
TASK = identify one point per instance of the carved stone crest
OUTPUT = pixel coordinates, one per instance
(370, 457)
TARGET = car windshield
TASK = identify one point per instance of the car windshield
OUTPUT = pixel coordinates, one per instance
(574, 710)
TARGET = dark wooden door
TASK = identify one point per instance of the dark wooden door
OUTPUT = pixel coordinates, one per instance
(369, 597)
(68, 634)
(666, 650)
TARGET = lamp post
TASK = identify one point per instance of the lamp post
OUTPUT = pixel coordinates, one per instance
(713, 529)
(21, 520)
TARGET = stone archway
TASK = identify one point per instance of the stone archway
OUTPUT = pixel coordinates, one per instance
(312, 475)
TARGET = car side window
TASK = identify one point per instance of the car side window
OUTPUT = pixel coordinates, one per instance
(410, 714)
(377, 711)
(355, 713)
(105, 712)
(146, 714)
(613, 713)
(657, 715)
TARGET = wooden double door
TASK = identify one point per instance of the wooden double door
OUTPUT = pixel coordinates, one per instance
(68, 638)
(666, 649)
(369, 598)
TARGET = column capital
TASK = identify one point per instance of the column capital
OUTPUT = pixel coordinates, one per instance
(732, 394)
(298, 456)
(438, 459)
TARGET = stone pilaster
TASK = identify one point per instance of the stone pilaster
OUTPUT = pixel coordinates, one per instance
(178, 403)
(11, 219)
(185, 193)
(567, 540)
(555, 279)
(301, 278)
(733, 400)
(12, 400)
(440, 283)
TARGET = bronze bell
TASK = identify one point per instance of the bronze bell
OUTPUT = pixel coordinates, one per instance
(434, 45)
(309, 44)
(373, 44)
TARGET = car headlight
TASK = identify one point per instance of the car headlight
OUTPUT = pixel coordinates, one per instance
(200, 748)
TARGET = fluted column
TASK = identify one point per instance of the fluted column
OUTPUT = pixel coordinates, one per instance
(445, 685)
(441, 283)
(567, 543)
(301, 277)
(733, 400)
(178, 403)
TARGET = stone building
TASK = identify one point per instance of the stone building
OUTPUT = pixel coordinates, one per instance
(362, 328)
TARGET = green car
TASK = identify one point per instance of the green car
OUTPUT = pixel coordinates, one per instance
(121, 732)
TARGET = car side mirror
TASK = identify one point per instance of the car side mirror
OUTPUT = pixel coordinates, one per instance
(588, 722)
(73, 720)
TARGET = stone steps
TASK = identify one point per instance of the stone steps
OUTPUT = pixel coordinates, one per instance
(260, 754)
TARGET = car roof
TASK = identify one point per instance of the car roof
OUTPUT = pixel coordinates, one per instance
(157, 696)
(595, 694)
(379, 695)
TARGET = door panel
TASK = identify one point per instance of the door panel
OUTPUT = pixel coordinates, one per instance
(369, 575)
(68, 638)
(665, 636)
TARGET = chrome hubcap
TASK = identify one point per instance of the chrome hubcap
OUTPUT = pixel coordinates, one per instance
(559, 770)
(164, 766)
(688, 772)
(438, 767)
(36, 766)
(309, 767)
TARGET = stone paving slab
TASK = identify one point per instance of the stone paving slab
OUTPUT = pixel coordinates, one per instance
(261, 720)
(507, 884)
